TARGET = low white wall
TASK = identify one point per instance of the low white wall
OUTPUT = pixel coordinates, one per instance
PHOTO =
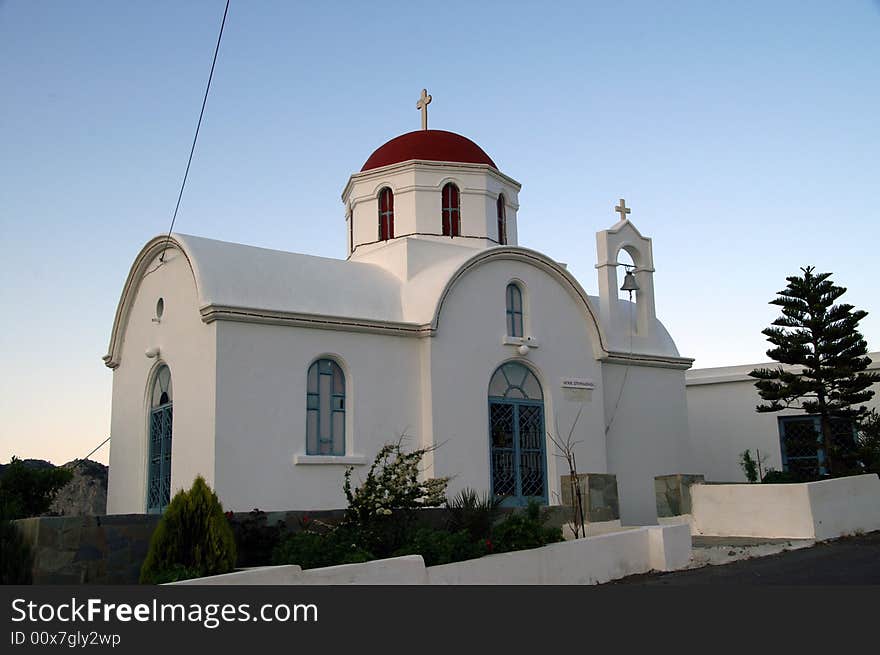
(590, 560)
(814, 510)
(263, 575)
(845, 505)
(397, 570)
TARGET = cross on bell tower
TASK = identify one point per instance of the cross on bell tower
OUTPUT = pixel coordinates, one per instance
(422, 104)
(622, 209)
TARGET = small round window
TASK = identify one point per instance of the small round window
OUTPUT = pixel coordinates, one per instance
(160, 307)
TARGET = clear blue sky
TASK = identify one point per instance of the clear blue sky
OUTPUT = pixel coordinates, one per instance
(745, 136)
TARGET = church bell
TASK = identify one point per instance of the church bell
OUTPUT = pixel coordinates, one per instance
(629, 282)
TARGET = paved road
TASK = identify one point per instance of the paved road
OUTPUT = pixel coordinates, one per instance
(846, 561)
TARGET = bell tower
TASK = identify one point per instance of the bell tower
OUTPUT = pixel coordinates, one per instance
(625, 236)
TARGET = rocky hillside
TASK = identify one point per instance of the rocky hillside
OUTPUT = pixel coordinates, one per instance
(84, 495)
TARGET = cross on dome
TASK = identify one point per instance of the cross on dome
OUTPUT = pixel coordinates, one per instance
(622, 209)
(422, 104)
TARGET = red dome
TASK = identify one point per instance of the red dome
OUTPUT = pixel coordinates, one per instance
(429, 145)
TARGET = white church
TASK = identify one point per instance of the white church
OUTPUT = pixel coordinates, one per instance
(270, 372)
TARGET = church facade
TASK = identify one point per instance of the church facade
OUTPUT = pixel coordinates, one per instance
(270, 372)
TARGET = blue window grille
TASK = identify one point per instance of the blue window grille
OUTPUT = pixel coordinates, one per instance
(161, 419)
(325, 409)
(516, 436)
(514, 310)
(802, 446)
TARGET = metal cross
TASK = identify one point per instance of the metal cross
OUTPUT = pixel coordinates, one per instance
(622, 209)
(422, 104)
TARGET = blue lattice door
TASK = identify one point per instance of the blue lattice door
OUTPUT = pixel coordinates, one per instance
(519, 472)
(159, 463)
(159, 482)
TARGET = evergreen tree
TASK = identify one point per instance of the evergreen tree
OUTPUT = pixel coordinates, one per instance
(823, 340)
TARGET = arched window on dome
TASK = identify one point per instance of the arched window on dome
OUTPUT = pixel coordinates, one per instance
(325, 409)
(451, 211)
(514, 310)
(502, 221)
(386, 214)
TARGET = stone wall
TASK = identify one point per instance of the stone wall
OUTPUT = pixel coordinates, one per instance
(88, 549)
(673, 493)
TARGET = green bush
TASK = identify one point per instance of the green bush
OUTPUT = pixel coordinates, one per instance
(474, 513)
(442, 547)
(382, 511)
(28, 491)
(255, 539)
(16, 558)
(313, 549)
(193, 539)
(522, 530)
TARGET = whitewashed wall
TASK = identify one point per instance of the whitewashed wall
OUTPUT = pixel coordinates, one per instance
(261, 411)
(648, 434)
(467, 349)
(723, 421)
(187, 346)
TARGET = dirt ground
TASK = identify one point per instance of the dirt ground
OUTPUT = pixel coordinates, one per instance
(846, 561)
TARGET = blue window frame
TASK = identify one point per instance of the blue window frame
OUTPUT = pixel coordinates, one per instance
(325, 409)
(161, 419)
(802, 446)
(514, 310)
(516, 436)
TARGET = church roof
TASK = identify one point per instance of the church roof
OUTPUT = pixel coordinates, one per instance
(428, 145)
(236, 275)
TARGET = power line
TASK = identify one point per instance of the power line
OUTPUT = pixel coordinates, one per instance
(198, 127)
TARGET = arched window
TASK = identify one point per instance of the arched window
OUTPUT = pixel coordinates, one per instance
(514, 310)
(159, 473)
(516, 435)
(325, 409)
(451, 211)
(502, 221)
(386, 214)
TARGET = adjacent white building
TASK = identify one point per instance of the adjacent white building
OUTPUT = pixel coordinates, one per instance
(723, 423)
(269, 372)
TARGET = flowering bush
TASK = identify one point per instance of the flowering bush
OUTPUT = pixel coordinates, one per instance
(382, 510)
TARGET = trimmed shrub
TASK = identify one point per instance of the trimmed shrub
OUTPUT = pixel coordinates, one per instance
(193, 539)
(16, 557)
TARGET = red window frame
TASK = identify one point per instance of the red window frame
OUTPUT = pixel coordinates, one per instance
(386, 214)
(502, 221)
(451, 210)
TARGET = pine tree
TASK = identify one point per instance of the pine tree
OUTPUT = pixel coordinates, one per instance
(823, 340)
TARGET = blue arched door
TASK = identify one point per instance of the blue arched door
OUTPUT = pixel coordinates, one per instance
(516, 436)
(159, 466)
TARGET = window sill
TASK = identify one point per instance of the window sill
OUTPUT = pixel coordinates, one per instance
(347, 460)
(531, 342)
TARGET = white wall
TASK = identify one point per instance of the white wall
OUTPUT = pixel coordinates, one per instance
(187, 346)
(814, 510)
(261, 411)
(723, 421)
(648, 436)
(467, 349)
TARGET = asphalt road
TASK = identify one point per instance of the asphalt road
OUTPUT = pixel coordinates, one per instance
(845, 561)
